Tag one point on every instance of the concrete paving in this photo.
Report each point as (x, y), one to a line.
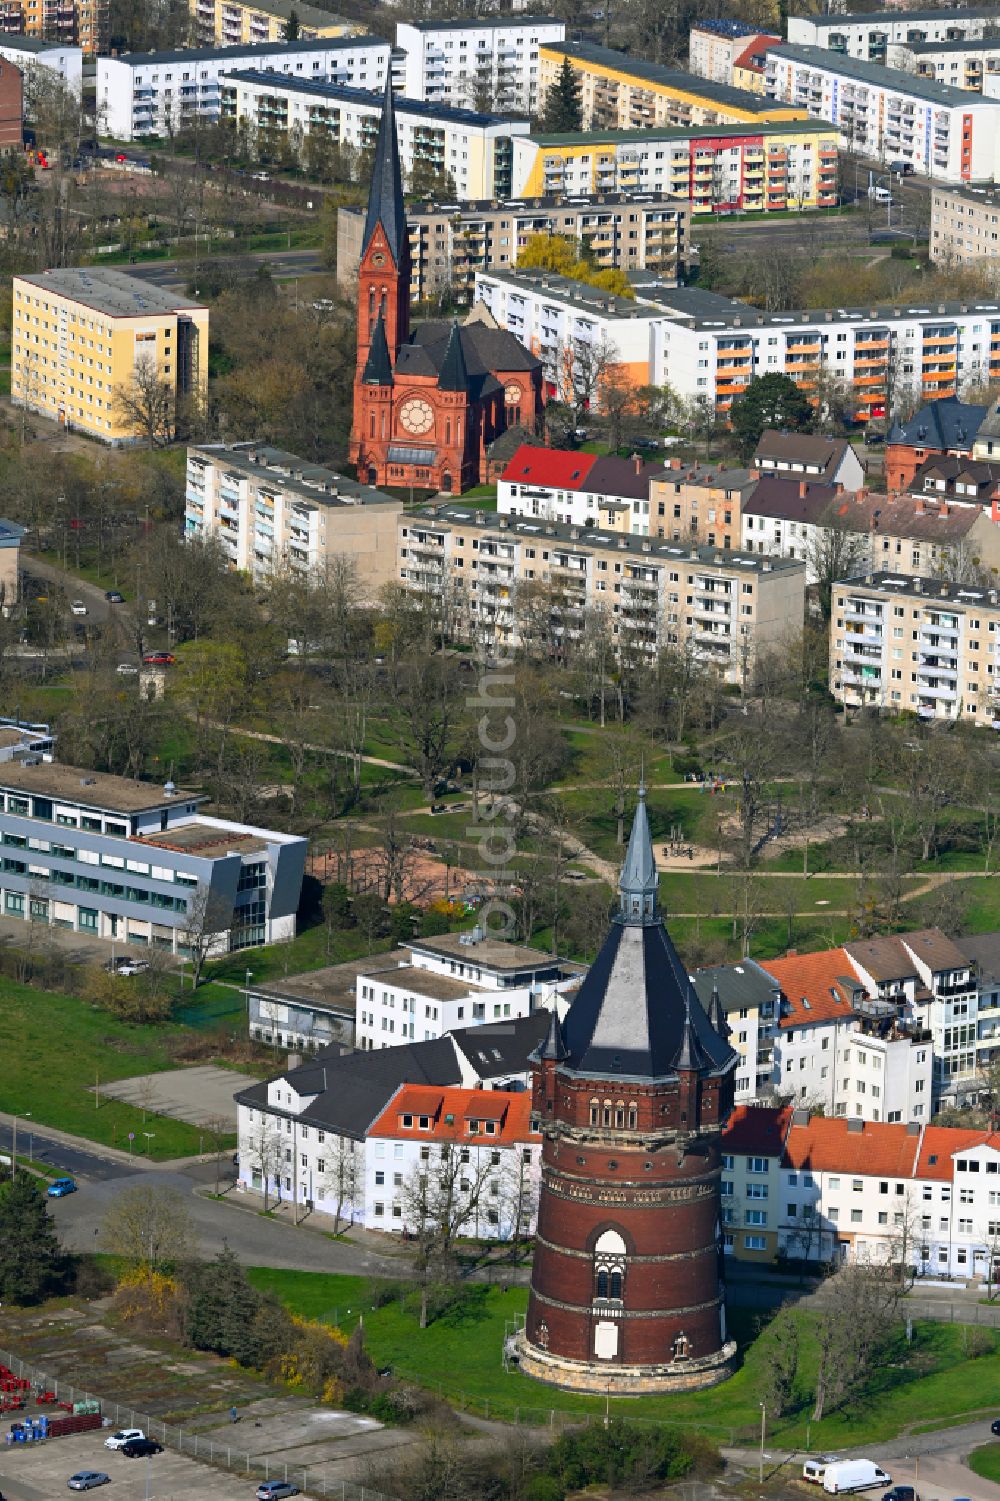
(38, 1472)
(199, 1095)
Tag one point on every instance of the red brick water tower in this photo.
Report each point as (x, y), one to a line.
(631, 1092)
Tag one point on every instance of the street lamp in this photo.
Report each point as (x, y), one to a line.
(25, 1115)
(149, 1136)
(763, 1426)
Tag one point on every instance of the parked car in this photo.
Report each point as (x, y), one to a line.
(122, 1437)
(60, 1187)
(159, 659)
(113, 597)
(126, 669)
(126, 965)
(78, 607)
(901, 1493)
(995, 1427)
(139, 1448)
(275, 1490)
(86, 1480)
(880, 194)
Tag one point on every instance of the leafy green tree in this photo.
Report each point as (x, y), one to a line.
(563, 105)
(33, 1264)
(292, 27)
(772, 401)
(225, 1314)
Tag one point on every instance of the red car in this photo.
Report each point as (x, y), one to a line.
(159, 659)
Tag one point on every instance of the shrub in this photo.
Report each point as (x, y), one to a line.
(544, 1488)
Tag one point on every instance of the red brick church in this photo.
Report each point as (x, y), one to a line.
(428, 401)
(630, 1093)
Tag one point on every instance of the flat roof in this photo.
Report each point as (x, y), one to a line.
(334, 987)
(10, 533)
(504, 23)
(680, 133)
(109, 291)
(904, 17)
(491, 953)
(317, 88)
(251, 49)
(891, 79)
(570, 290)
(932, 591)
(286, 471)
(581, 540)
(18, 42)
(678, 79)
(703, 309)
(207, 841)
(93, 789)
(577, 203)
(429, 982)
(960, 44)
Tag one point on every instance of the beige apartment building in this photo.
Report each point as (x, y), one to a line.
(82, 336)
(699, 502)
(965, 225)
(230, 23)
(10, 552)
(908, 644)
(449, 243)
(270, 510)
(508, 581)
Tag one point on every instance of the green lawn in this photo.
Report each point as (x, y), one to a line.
(55, 1047)
(986, 1462)
(460, 1356)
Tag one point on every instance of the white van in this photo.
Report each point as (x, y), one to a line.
(854, 1475)
(880, 194)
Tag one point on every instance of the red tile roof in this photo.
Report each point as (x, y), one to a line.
(827, 1144)
(512, 1112)
(938, 1145)
(758, 46)
(757, 1129)
(812, 984)
(552, 467)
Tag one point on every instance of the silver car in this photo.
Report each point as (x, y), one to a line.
(87, 1480)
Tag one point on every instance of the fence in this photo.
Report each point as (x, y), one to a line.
(237, 1461)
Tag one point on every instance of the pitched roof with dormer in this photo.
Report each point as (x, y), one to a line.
(814, 987)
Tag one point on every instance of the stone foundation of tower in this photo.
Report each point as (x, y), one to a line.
(625, 1380)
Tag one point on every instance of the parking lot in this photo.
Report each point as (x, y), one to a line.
(39, 1472)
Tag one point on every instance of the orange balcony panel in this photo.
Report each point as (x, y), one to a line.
(812, 348)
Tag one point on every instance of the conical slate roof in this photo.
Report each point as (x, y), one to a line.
(385, 197)
(378, 366)
(636, 1014)
(553, 1047)
(717, 1014)
(454, 371)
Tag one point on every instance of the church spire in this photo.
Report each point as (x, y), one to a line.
(454, 371)
(385, 197)
(717, 1014)
(553, 1047)
(639, 884)
(378, 366)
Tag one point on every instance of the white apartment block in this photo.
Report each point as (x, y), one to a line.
(869, 36)
(909, 644)
(270, 510)
(473, 149)
(455, 981)
(944, 133)
(491, 63)
(963, 64)
(37, 58)
(151, 94)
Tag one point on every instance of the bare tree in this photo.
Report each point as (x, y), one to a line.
(853, 1331)
(207, 920)
(342, 1176)
(148, 1226)
(265, 1152)
(147, 405)
(439, 1198)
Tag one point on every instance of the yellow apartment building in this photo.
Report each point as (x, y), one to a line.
(81, 23)
(232, 23)
(79, 335)
(619, 92)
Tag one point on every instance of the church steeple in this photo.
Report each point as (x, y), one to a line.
(638, 887)
(378, 366)
(385, 197)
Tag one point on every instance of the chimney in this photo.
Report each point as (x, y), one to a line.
(856, 1125)
(803, 488)
(675, 463)
(920, 509)
(913, 1128)
(637, 461)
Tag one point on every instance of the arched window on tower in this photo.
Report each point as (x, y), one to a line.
(681, 1347)
(607, 1112)
(371, 310)
(633, 1116)
(620, 1114)
(382, 303)
(609, 1266)
(595, 1112)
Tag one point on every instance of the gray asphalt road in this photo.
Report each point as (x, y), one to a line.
(284, 264)
(76, 1161)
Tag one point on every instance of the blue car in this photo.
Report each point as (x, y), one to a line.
(61, 1187)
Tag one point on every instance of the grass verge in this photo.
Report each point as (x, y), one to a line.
(985, 1462)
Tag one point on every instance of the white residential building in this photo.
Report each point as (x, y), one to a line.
(489, 63)
(36, 57)
(869, 35)
(150, 94)
(714, 45)
(456, 980)
(473, 149)
(944, 133)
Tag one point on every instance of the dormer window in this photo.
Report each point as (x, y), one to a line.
(425, 1123)
(407, 1121)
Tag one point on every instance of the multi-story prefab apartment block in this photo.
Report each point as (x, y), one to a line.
(124, 860)
(270, 510)
(78, 335)
(151, 94)
(923, 646)
(940, 132)
(485, 63)
(232, 23)
(869, 36)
